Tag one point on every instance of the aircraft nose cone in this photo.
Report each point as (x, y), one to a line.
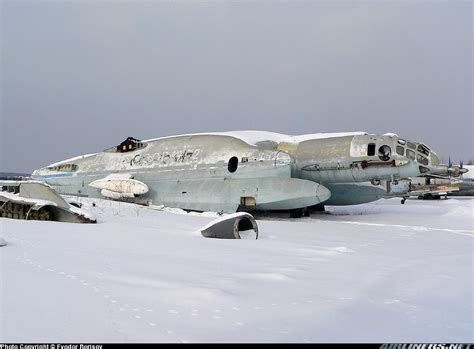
(322, 193)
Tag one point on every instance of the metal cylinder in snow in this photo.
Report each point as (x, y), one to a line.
(230, 226)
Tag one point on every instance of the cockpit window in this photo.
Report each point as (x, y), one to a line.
(410, 154)
(63, 168)
(400, 150)
(411, 145)
(424, 169)
(423, 149)
(371, 149)
(422, 160)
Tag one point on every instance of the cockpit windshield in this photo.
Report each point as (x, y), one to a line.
(415, 151)
(400, 150)
(423, 149)
(422, 160)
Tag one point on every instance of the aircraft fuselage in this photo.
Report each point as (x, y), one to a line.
(225, 172)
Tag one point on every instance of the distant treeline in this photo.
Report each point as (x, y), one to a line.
(13, 175)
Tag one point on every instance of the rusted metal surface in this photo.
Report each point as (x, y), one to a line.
(365, 164)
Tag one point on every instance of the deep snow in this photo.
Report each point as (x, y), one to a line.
(379, 272)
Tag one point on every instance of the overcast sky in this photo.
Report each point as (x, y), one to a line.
(80, 76)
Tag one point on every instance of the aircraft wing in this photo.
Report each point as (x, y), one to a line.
(37, 200)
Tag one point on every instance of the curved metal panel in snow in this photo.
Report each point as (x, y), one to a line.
(230, 226)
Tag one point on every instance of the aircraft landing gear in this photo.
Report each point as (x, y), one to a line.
(403, 201)
(298, 213)
(317, 208)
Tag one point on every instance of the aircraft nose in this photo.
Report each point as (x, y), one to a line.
(322, 193)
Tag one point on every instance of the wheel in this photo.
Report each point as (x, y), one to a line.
(403, 201)
(298, 213)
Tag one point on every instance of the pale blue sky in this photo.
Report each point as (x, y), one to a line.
(80, 76)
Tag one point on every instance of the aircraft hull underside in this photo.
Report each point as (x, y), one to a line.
(212, 194)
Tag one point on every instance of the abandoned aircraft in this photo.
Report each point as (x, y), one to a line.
(423, 188)
(243, 170)
(443, 180)
(466, 185)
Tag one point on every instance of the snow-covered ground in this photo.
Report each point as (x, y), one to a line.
(379, 272)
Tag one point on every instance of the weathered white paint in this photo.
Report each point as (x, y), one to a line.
(115, 195)
(253, 137)
(358, 149)
(122, 186)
